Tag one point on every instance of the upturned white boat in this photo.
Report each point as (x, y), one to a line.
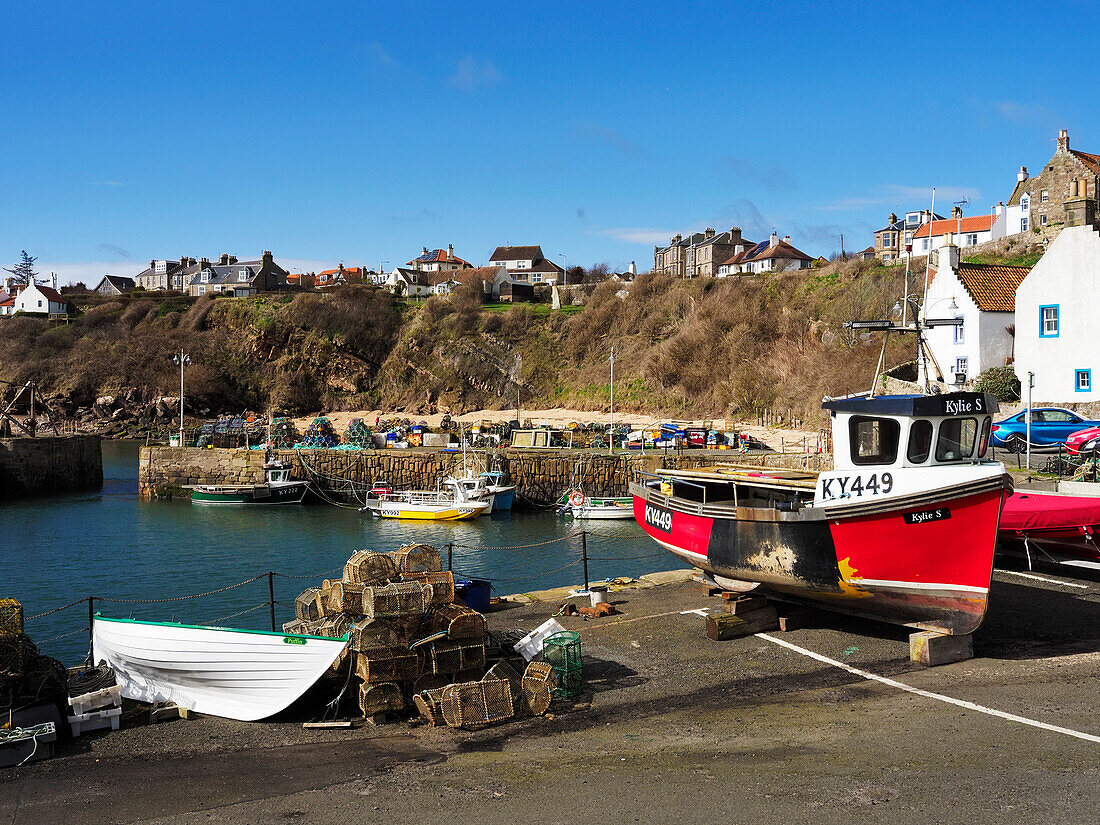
(221, 671)
(450, 503)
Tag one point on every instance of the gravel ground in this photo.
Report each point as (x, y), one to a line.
(672, 726)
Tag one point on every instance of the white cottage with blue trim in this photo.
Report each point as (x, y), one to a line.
(1057, 326)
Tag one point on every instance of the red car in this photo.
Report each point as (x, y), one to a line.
(1086, 440)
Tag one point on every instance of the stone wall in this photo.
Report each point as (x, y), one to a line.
(42, 466)
(540, 475)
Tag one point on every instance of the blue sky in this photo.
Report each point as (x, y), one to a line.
(362, 132)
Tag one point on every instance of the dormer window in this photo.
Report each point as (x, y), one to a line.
(206, 276)
(243, 276)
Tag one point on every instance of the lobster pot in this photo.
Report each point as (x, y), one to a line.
(380, 698)
(502, 670)
(304, 628)
(562, 651)
(368, 633)
(338, 665)
(11, 615)
(537, 686)
(334, 626)
(399, 599)
(343, 597)
(477, 703)
(45, 680)
(459, 623)
(369, 568)
(443, 585)
(454, 657)
(16, 653)
(418, 558)
(307, 606)
(429, 703)
(376, 665)
(432, 681)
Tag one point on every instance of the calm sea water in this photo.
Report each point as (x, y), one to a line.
(108, 544)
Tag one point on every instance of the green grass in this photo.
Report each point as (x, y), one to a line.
(1030, 259)
(537, 309)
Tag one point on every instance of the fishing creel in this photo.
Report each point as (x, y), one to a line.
(307, 607)
(443, 584)
(398, 599)
(454, 657)
(417, 558)
(430, 705)
(459, 623)
(342, 597)
(538, 687)
(384, 697)
(369, 568)
(470, 704)
(386, 664)
(11, 617)
(368, 633)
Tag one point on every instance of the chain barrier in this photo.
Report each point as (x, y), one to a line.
(63, 635)
(56, 610)
(314, 576)
(566, 537)
(235, 615)
(531, 576)
(180, 598)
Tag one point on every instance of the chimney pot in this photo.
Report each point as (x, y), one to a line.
(1063, 140)
(773, 240)
(1021, 176)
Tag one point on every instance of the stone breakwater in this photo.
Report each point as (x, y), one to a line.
(540, 475)
(42, 466)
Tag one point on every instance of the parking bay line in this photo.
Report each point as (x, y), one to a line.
(962, 703)
(1042, 578)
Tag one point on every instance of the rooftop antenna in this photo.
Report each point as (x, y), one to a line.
(958, 223)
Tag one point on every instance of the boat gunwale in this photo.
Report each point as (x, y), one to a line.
(345, 638)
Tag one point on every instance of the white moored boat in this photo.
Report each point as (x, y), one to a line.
(221, 671)
(588, 507)
(450, 503)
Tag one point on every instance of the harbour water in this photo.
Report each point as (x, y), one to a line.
(125, 552)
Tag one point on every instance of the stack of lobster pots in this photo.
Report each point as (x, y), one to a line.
(412, 642)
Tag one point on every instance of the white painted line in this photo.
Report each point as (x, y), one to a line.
(1088, 737)
(1043, 578)
(699, 611)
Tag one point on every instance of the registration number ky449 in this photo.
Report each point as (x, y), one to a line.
(856, 486)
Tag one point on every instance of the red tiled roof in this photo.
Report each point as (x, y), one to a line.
(992, 286)
(437, 256)
(1091, 162)
(975, 223)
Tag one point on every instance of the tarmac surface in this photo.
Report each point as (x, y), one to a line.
(673, 727)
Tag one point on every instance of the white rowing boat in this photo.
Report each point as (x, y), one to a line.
(221, 671)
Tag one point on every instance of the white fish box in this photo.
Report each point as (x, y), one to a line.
(94, 720)
(530, 645)
(29, 744)
(107, 698)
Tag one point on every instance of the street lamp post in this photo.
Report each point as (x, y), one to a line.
(184, 360)
(564, 267)
(611, 435)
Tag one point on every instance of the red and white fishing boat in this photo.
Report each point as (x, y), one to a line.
(1052, 527)
(902, 530)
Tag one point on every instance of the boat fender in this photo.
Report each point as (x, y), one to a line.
(576, 498)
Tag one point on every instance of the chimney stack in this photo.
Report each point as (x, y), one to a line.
(224, 259)
(266, 259)
(708, 234)
(1063, 140)
(1021, 176)
(893, 219)
(956, 212)
(735, 234)
(450, 252)
(773, 241)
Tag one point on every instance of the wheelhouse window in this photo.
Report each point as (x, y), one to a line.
(956, 439)
(873, 440)
(920, 441)
(983, 444)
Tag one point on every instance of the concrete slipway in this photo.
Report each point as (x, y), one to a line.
(675, 728)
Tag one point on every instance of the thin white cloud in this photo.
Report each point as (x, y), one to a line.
(377, 52)
(637, 235)
(472, 74)
(609, 137)
(1017, 112)
(897, 196)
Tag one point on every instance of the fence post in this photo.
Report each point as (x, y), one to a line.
(584, 557)
(450, 556)
(271, 596)
(91, 623)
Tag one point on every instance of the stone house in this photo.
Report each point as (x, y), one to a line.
(707, 255)
(983, 298)
(528, 264)
(1069, 180)
(673, 259)
(1056, 327)
(114, 285)
(896, 238)
(160, 273)
(772, 255)
(240, 279)
(438, 260)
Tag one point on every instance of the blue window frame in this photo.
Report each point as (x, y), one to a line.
(1082, 380)
(1048, 321)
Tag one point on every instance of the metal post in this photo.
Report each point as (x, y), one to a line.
(91, 624)
(611, 435)
(450, 556)
(1030, 384)
(271, 596)
(584, 557)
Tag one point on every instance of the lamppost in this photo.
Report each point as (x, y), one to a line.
(611, 435)
(381, 263)
(184, 360)
(564, 268)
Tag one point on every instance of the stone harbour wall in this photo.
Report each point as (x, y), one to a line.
(43, 466)
(541, 476)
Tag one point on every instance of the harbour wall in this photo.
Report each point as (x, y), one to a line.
(540, 475)
(42, 466)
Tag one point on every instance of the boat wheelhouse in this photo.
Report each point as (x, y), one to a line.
(902, 529)
(278, 488)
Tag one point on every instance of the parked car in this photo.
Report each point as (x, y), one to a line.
(1049, 426)
(1083, 441)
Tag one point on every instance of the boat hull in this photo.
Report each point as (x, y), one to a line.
(928, 566)
(237, 674)
(603, 512)
(427, 512)
(1058, 527)
(292, 493)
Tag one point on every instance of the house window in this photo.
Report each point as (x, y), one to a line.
(206, 276)
(1082, 380)
(962, 365)
(243, 276)
(1023, 224)
(1042, 220)
(537, 278)
(887, 239)
(1025, 203)
(1043, 196)
(908, 238)
(924, 245)
(971, 239)
(1048, 327)
(202, 290)
(959, 329)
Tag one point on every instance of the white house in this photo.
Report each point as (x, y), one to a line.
(41, 300)
(526, 263)
(969, 232)
(983, 297)
(1057, 328)
(409, 283)
(772, 255)
(439, 260)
